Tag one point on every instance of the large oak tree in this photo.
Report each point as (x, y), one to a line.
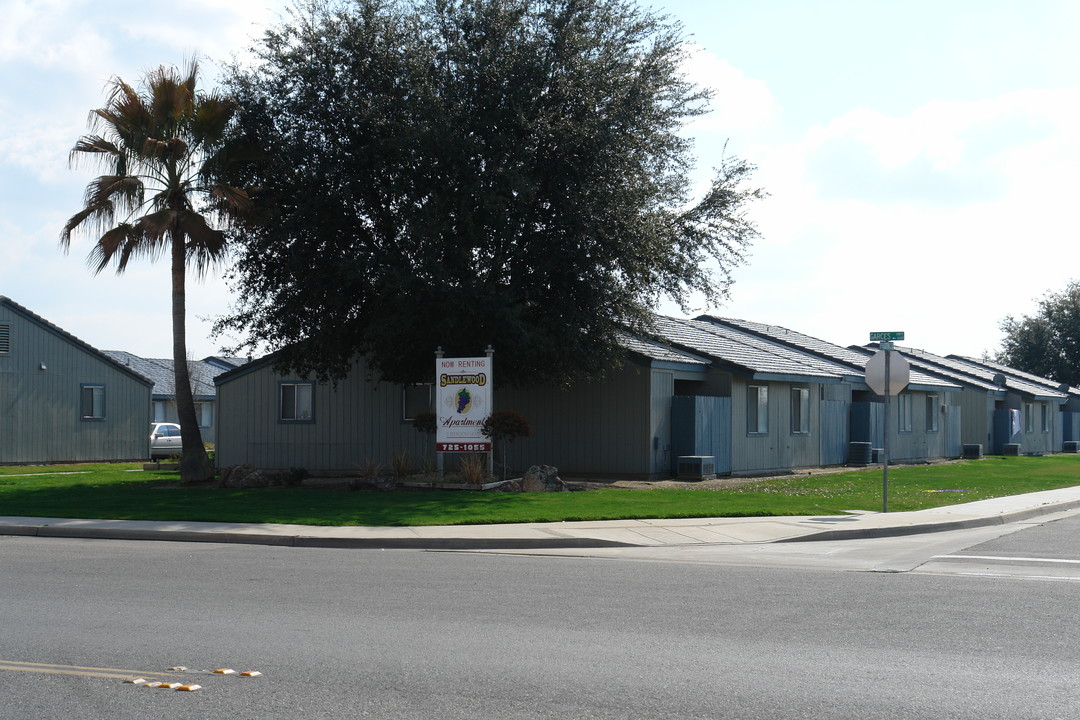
(466, 172)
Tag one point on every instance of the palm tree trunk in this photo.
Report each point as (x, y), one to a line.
(195, 466)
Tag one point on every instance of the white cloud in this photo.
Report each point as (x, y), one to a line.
(956, 210)
(739, 102)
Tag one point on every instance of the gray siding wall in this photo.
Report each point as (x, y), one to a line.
(1033, 438)
(977, 411)
(355, 421)
(594, 429)
(588, 429)
(779, 448)
(915, 445)
(919, 443)
(40, 409)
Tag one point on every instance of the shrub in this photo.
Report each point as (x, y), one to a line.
(290, 478)
(473, 468)
(424, 422)
(371, 469)
(400, 464)
(506, 425)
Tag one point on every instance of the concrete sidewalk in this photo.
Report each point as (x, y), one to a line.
(601, 533)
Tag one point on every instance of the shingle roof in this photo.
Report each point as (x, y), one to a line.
(983, 375)
(853, 358)
(160, 371)
(1006, 370)
(662, 353)
(757, 356)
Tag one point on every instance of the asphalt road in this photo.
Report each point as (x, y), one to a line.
(402, 634)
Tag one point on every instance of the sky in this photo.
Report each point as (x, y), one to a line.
(920, 157)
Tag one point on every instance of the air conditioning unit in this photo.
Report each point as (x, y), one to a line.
(696, 467)
(1071, 446)
(973, 451)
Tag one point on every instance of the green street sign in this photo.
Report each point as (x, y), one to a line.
(886, 336)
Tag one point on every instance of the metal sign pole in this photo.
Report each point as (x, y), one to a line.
(879, 377)
(439, 467)
(490, 351)
(885, 460)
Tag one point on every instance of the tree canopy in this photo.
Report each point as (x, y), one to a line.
(460, 173)
(1046, 343)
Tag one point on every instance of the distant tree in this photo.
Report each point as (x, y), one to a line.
(156, 144)
(1046, 343)
(466, 172)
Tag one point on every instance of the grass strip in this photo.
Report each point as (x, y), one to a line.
(114, 491)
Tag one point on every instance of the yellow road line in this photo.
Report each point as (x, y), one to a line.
(21, 666)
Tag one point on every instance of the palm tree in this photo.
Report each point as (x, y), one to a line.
(158, 146)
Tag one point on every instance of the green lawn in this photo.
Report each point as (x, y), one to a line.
(115, 491)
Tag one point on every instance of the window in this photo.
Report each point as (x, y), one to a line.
(1045, 411)
(296, 399)
(800, 411)
(204, 412)
(415, 399)
(5, 338)
(757, 410)
(92, 402)
(931, 413)
(161, 411)
(904, 406)
(1029, 417)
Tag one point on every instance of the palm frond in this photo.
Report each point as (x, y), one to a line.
(147, 237)
(107, 188)
(73, 223)
(212, 117)
(109, 246)
(205, 245)
(231, 199)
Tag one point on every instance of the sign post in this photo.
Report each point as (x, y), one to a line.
(887, 373)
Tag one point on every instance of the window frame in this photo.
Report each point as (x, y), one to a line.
(800, 411)
(297, 418)
(405, 418)
(757, 410)
(95, 414)
(204, 413)
(1029, 416)
(933, 403)
(904, 408)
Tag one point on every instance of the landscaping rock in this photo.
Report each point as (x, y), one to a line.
(378, 484)
(243, 476)
(542, 478)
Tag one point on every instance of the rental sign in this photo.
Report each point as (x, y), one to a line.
(462, 403)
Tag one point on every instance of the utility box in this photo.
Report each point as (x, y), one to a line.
(696, 467)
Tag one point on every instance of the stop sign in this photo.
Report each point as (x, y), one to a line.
(899, 372)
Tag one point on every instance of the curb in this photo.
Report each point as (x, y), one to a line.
(309, 541)
(933, 527)
(477, 543)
